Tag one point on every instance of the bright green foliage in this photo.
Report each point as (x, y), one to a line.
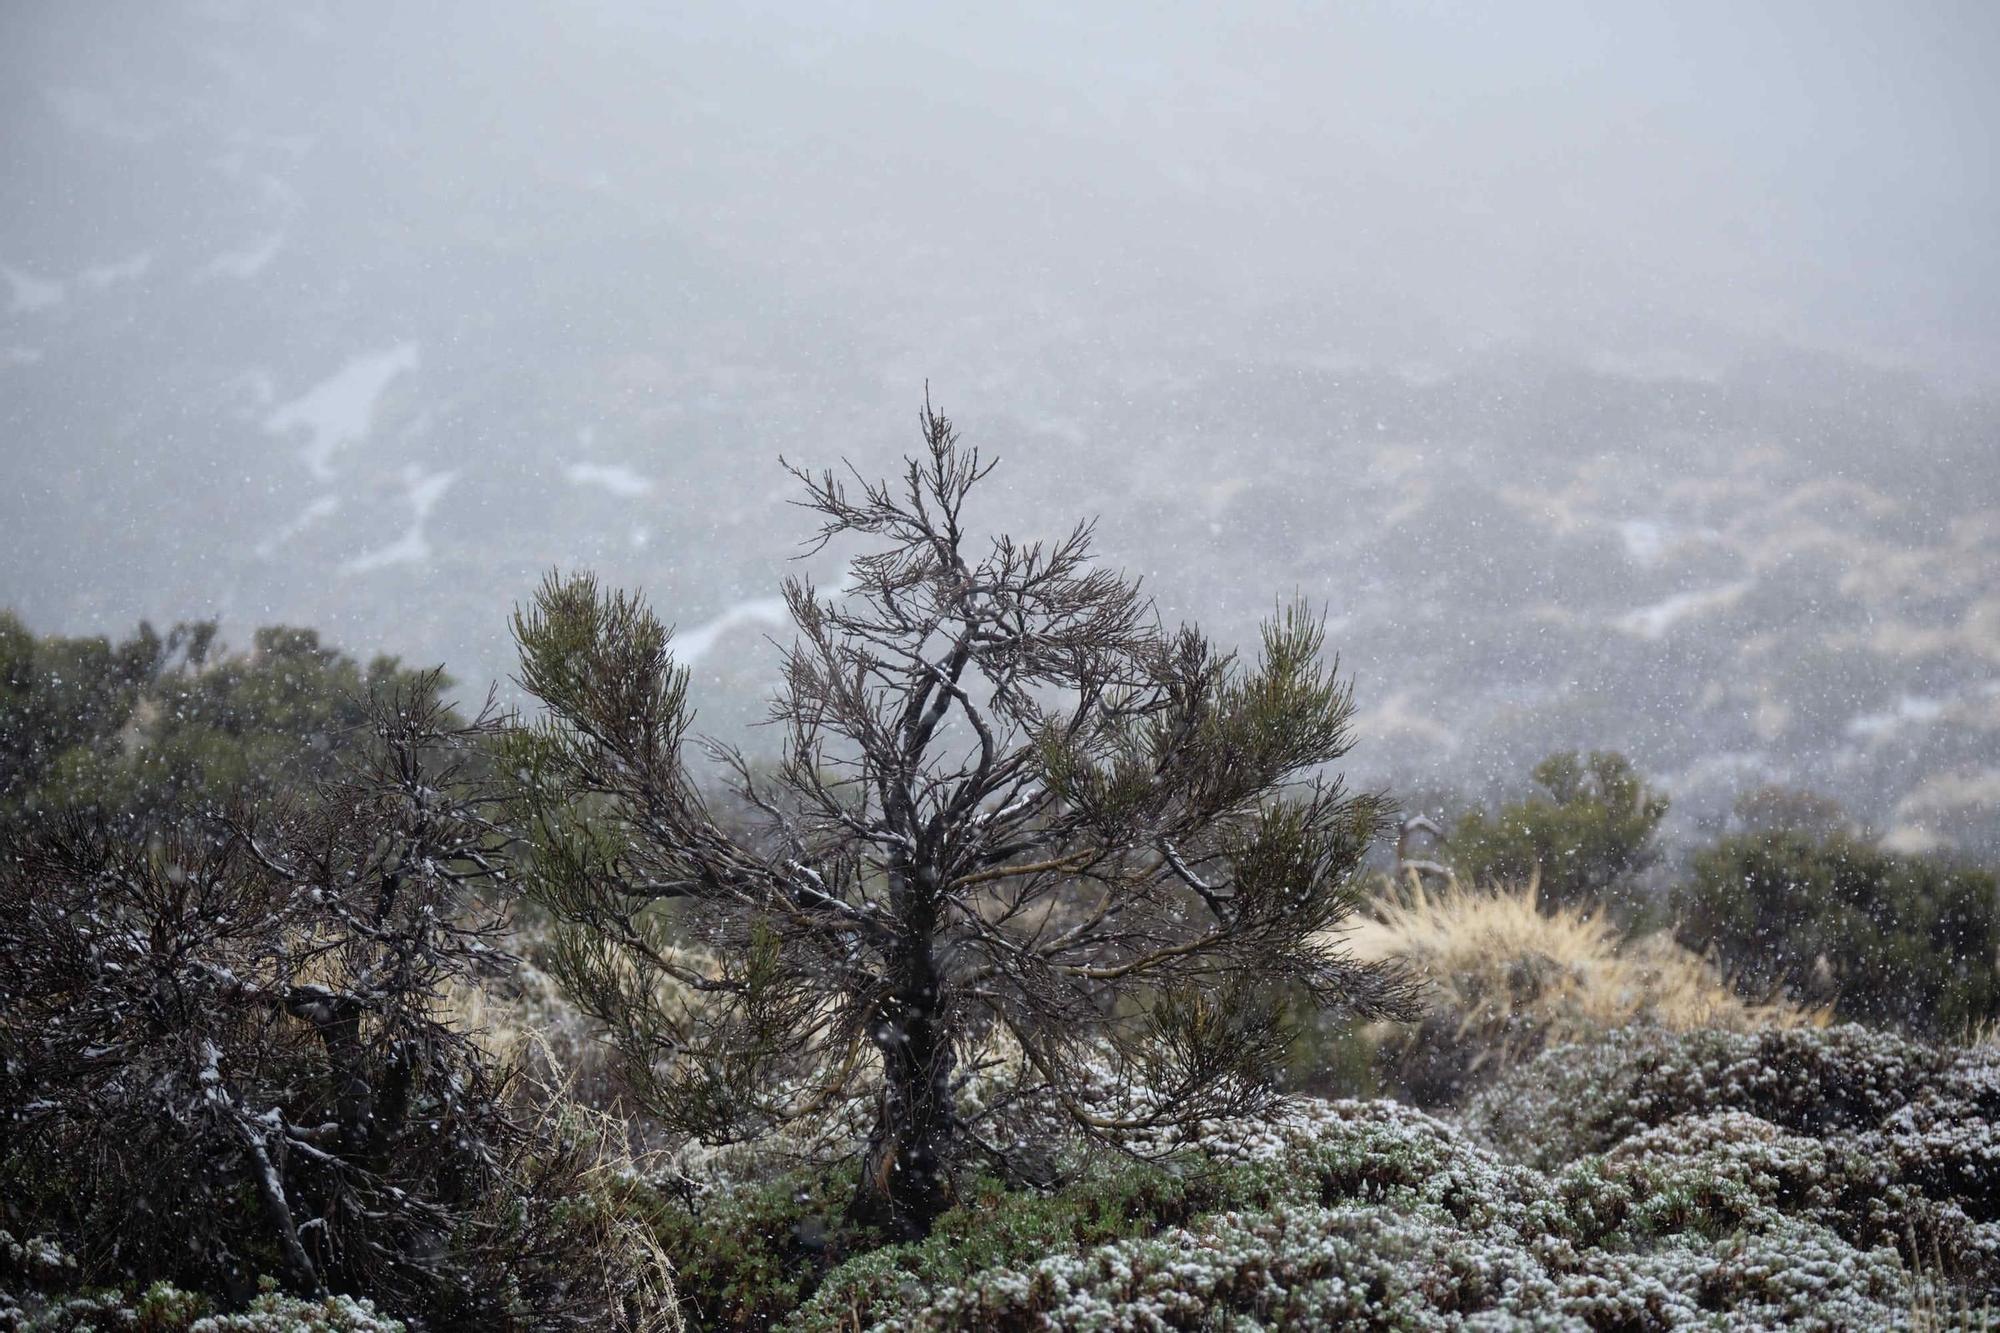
(155, 728)
(1588, 833)
(1907, 941)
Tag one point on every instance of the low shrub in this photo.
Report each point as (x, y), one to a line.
(996, 1227)
(1584, 1098)
(744, 1257)
(37, 1296)
(223, 1056)
(1645, 1180)
(1586, 835)
(1908, 941)
(1376, 1216)
(1884, 1140)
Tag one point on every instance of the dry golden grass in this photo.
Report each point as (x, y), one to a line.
(529, 1028)
(623, 1261)
(1507, 978)
(525, 1021)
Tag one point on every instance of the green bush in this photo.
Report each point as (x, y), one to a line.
(1905, 941)
(151, 730)
(1587, 834)
(996, 1228)
(1775, 808)
(37, 1296)
(1583, 1098)
(1883, 1140)
(1374, 1216)
(783, 1253)
(747, 1257)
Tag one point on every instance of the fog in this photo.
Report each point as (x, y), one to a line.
(1613, 375)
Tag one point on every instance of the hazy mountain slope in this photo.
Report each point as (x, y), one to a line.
(364, 318)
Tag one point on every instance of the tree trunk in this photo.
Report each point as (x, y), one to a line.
(271, 1187)
(906, 1175)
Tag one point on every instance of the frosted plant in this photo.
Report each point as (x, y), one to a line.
(1009, 803)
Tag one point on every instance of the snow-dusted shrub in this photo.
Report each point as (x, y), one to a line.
(1296, 1266)
(1882, 1140)
(164, 1308)
(30, 1270)
(1585, 1097)
(1719, 1193)
(1890, 939)
(274, 1313)
(34, 1263)
(1378, 1217)
(1944, 1136)
(160, 1308)
(1510, 974)
(994, 1227)
(746, 1252)
(223, 1056)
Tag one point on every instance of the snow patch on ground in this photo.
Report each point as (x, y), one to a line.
(1909, 710)
(129, 269)
(1950, 792)
(1402, 719)
(422, 492)
(1651, 622)
(324, 507)
(1645, 539)
(425, 492)
(692, 645)
(30, 293)
(340, 410)
(614, 477)
(412, 548)
(247, 262)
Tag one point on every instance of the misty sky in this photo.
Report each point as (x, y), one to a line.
(1583, 174)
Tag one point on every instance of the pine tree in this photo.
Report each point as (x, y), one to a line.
(1010, 807)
